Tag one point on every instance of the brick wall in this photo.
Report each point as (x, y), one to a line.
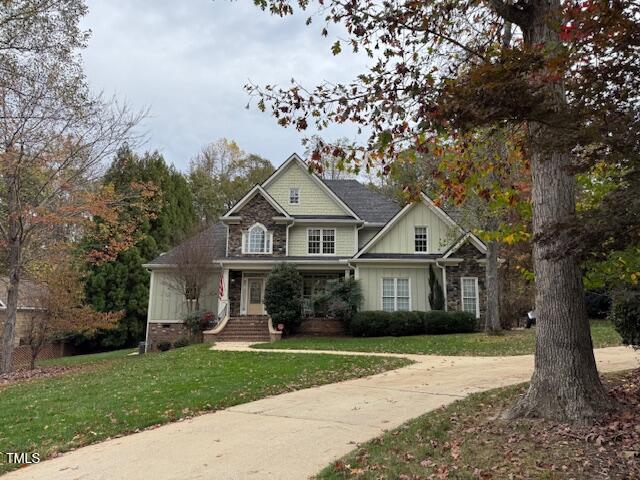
(258, 210)
(321, 326)
(470, 267)
(165, 332)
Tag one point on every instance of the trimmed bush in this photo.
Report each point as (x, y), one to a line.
(398, 324)
(164, 346)
(341, 299)
(438, 322)
(283, 296)
(625, 314)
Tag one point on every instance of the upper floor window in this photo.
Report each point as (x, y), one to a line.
(470, 298)
(257, 240)
(421, 240)
(294, 196)
(396, 294)
(321, 241)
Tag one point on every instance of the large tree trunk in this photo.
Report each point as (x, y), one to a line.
(14, 260)
(492, 323)
(565, 385)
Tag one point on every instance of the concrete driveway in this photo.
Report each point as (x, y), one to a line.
(294, 435)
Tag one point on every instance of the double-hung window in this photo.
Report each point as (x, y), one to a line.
(294, 196)
(396, 294)
(470, 299)
(321, 241)
(257, 240)
(421, 239)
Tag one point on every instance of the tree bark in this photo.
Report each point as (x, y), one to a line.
(492, 324)
(565, 385)
(14, 247)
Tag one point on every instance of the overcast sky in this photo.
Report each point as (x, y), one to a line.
(187, 61)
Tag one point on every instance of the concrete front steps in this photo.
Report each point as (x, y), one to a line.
(246, 328)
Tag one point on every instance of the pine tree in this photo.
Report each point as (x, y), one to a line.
(123, 284)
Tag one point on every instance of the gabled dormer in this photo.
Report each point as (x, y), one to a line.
(302, 193)
(257, 226)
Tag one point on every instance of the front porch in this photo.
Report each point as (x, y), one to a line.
(243, 315)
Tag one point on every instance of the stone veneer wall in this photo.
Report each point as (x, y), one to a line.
(468, 268)
(165, 332)
(258, 210)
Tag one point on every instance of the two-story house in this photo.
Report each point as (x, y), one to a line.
(328, 229)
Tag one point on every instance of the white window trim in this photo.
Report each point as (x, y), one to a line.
(299, 197)
(426, 227)
(322, 230)
(395, 293)
(245, 240)
(475, 280)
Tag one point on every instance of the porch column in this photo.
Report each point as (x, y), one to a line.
(347, 274)
(223, 302)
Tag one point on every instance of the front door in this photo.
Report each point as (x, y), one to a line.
(255, 287)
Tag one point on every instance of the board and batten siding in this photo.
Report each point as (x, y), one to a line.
(400, 238)
(168, 305)
(345, 240)
(314, 200)
(371, 282)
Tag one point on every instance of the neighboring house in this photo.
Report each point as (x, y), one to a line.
(328, 229)
(28, 309)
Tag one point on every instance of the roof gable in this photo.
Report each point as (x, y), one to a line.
(257, 190)
(440, 228)
(316, 198)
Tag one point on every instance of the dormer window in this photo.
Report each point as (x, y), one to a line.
(257, 240)
(294, 196)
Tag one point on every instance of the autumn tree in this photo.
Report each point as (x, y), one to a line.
(62, 311)
(220, 174)
(332, 167)
(568, 78)
(54, 135)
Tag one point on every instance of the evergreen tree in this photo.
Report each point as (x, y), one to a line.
(123, 284)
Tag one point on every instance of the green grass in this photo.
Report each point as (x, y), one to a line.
(515, 342)
(122, 395)
(85, 359)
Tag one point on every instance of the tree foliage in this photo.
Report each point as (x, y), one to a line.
(220, 175)
(283, 296)
(122, 284)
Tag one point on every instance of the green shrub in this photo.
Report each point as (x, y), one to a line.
(436, 295)
(164, 346)
(341, 299)
(181, 342)
(404, 323)
(283, 296)
(370, 324)
(438, 322)
(625, 315)
(198, 321)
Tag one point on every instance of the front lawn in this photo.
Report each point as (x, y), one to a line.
(514, 342)
(466, 440)
(85, 359)
(122, 395)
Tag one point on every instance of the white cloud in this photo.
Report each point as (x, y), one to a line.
(188, 61)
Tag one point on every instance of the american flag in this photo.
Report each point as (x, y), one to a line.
(221, 287)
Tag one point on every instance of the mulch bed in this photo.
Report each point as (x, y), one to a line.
(35, 374)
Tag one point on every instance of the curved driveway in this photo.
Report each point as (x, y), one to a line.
(294, 435)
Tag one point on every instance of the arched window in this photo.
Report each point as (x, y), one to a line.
(257, 240)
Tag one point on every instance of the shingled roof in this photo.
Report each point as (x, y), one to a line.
(368, 204)
(214, 237)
